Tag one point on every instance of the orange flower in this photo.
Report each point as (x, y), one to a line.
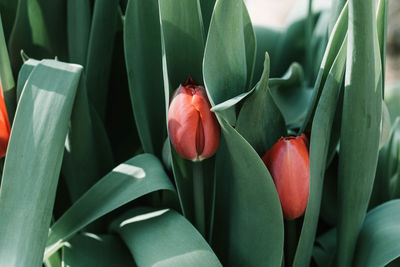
(192, 127)
(4, 126)
(288, 162)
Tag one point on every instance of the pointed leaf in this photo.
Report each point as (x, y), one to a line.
(142, 44)
(136, 177)
(39, 129)
(230, 51)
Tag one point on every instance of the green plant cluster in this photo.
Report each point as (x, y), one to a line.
(90, 177)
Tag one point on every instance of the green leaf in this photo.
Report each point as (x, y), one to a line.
(88, 155)
(99, 55)
(8, 10)
(319, 145)
(316, 50)
(359, 140)
(142, 44)
(324, 251)
(88, 249)
(40, 30)
(267, 39)
(39, 129)
(182, 41)
(207, 7)
(230, 51)
(387, 180)
(378, 242)
(24, 73)
(260, 122)
(6, 77)
(381, 24)
(291, 44)
(290, 95)
(136, 177)
(332, 49)
(78, 30)
(183, 49)
(247, 207)
(163, 238)
(336, 9)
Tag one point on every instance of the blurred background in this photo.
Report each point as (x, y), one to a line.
(274, 14)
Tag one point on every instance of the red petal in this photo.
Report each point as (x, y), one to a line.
(288, 163)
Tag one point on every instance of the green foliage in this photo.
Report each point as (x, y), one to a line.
(40, 128)
(91, 179)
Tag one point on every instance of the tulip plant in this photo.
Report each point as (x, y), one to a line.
(177, 133)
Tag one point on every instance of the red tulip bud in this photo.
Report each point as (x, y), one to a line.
(288, 163)
(4, 126)
(192, 127)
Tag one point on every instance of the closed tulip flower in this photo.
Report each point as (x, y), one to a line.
(4, 126)
(288, 163)
(192, 127)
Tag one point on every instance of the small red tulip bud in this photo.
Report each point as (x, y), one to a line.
(4, 126)
(288, 162)
(192, 127)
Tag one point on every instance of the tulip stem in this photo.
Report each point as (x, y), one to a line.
(198, 195)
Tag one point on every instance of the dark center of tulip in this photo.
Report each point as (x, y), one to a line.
(199, 136)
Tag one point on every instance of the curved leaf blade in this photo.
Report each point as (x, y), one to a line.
(229, 55)
(182, 40)
(319, 147)
(136, 177)
(142, 44)
(378, 242)
(39, 129)
(362, 107)
(163, 238)
(247, 206)
(88, 249)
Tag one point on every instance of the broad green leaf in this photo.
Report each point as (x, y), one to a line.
(136, 177)
(319, 144)
(359, 140)
(260, 122)
(248, 228)
(332, 49)
(291, 97)
(142, 44)
(39, 129)
(182, 41)
(378, 242)
(88, 249)
(163, 238)
(40, 30)
(6, 77)
(99, 55)
(78, 30)
(230, 52)
(88, 155)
